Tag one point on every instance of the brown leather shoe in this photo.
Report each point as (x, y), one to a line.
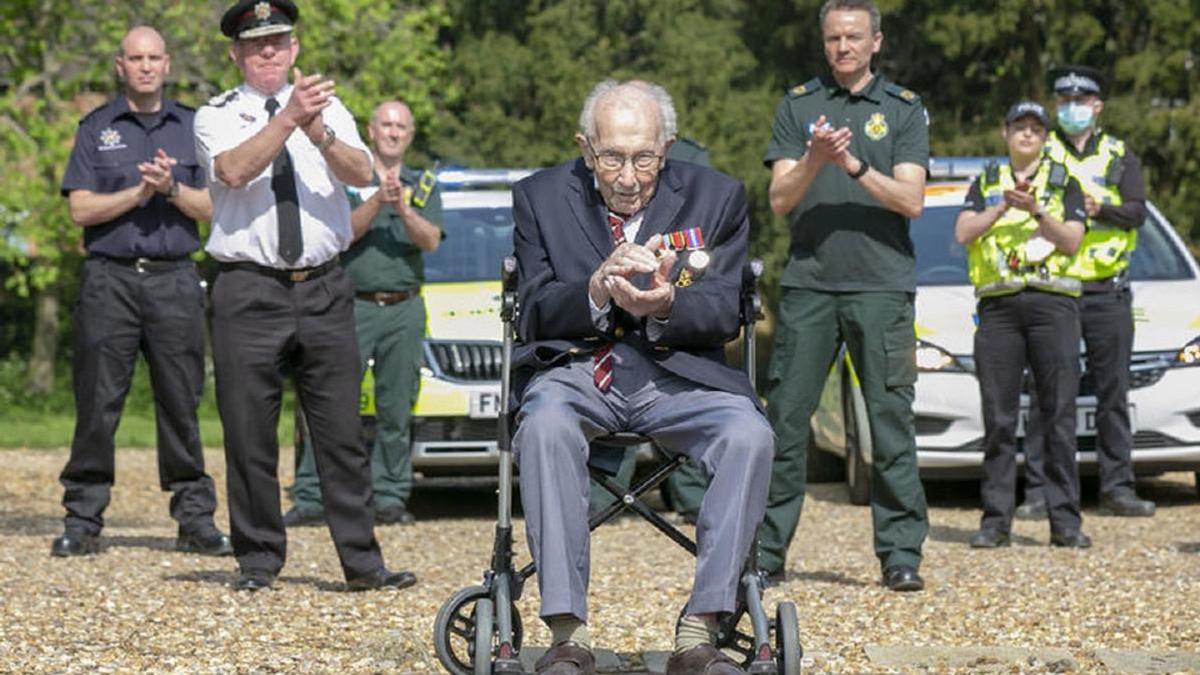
(566, 658)
(702, 660)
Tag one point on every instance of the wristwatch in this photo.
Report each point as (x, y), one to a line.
(1039, 212)
(173, 191)
(330, 137)
(863, 167)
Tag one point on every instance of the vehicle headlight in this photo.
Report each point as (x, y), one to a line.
(932, 358)
(1190, 354)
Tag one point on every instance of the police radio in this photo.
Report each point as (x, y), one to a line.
(425, 187)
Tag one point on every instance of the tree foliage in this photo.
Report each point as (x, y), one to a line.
(499, 82)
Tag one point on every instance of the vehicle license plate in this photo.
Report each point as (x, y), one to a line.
(1085, 420)
(485, 404)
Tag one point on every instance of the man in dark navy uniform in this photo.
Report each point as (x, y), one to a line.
(134, 186)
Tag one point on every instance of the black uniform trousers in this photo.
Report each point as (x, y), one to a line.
(1042, 330)
(125, 307)
(1106, 318)
(263, 327)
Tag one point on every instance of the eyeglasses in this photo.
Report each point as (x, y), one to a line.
(615, 161)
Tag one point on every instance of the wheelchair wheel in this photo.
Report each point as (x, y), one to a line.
(788, 651)
(483, 636)
(459, 631)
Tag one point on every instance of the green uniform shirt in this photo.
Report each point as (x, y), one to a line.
(384, 258)
(842, 238)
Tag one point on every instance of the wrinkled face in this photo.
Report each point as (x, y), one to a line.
(391, 130)
(628, 134)
(143, 63)
(849, 41)
(1025, 137)
(265, 61)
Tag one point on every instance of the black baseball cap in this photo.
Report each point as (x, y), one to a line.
(1027, 109)
(1077, 80)
(255, 18)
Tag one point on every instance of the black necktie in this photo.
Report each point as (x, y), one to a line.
(287, 204)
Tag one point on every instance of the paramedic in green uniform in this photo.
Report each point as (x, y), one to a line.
(848, 157)
(395, 220)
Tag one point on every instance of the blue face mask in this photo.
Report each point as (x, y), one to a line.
(1075, 118)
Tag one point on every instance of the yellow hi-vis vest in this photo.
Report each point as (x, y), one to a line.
(997, 261)
(1105, 249)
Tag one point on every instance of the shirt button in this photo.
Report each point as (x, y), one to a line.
(619, 332)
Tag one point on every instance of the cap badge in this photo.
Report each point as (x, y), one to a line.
(876, 127)
(262, 11)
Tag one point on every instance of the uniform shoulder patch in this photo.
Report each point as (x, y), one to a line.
(806, 88)
(902, 93)
(223, 99)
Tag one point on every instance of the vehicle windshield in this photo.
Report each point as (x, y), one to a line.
(943, 262)
(477, 239)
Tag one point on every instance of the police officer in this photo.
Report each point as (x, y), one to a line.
(278, 157)
(1021, 223)
(848, 154)
(395, 220)
(1115, 200)
(132, 183)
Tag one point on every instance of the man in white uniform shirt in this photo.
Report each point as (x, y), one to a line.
(278, 157)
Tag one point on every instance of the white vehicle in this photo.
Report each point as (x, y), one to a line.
(1164, 394)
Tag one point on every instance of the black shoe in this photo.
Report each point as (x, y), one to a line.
(396, 514)
(212, 542)
(1072, 539)
(381, 578)
(1126, 505)
(689, 517)
(73, 543)
(253, 581)
(303, 516)
(989, 538)
(566, 658)
(1032, 511)
(903, 578)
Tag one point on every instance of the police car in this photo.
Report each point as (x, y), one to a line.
(1164, 371)
(455, 415)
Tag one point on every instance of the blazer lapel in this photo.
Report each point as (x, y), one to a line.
(590, 212)
(664, 206)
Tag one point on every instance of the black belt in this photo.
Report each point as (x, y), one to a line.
(293, 275)
(382, 298)
(147, 265)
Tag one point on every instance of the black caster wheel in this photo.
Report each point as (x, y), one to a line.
(465, 627)
(788, 651)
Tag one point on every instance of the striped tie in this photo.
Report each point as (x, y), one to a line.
(602, 357)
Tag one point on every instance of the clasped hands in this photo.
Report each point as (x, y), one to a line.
(311, 94)
(156, 174)
(612, 280)
(832, 146)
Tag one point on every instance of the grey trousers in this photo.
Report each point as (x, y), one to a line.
(562, 410)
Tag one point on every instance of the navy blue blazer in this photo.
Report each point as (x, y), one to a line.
(562, 236)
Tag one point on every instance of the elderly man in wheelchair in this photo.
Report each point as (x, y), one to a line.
(630, 271)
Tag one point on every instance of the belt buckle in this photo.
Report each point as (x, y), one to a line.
(140, 265)
(296, 276)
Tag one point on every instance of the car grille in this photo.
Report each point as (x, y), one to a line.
(464, 360)
(435, 429)
(1194, 418)
(931, 426)
(1142, 440)
(1145, 370)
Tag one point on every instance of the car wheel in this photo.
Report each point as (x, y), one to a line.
(858, 443)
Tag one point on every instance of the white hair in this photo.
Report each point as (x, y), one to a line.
(626, 92)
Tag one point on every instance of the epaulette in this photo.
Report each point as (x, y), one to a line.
(806, 88)
(93, 112)
(1117, 145)
(902, 93)
(223, 99)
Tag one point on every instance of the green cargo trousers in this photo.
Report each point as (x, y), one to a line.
(391, 335)
(877, 329)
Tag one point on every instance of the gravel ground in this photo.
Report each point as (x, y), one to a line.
(142, 607)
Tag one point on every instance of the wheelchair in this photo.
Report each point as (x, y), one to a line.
(478, 630)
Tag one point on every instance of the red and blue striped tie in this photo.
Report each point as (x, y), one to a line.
(602, 359)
